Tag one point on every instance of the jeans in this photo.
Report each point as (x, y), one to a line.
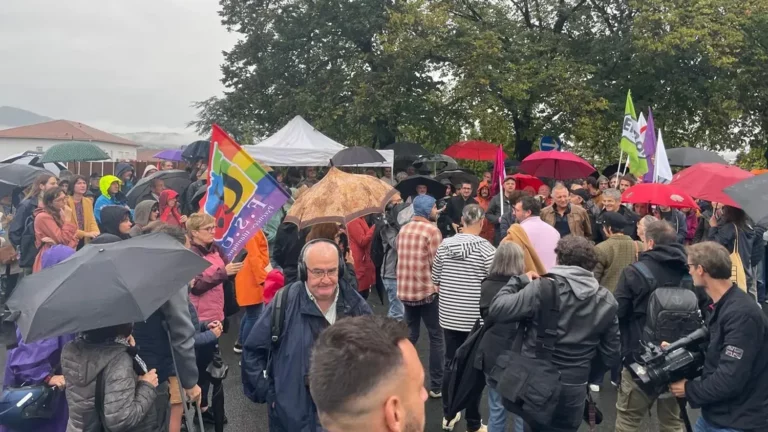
(705, 426)
(497, 414)
(429, 314)
(395, 305)
(453, 340)
(252, 314)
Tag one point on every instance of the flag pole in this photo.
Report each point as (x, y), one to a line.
(618, 169)
(501, 195)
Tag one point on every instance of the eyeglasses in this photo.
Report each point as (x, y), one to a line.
(209, 229)
(321, 273)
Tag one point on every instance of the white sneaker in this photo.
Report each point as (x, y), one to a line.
(449, 425)
(435, 394)
(615, 384)
(594, 388)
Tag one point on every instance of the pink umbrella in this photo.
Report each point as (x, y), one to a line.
(560, 165)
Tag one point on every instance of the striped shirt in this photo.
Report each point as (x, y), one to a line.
(417, 245)
(461, 264)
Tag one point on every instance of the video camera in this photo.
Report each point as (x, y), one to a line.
(658, 367)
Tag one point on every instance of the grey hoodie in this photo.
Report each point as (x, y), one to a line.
(128, 402)
(587, 327)
(141, 218)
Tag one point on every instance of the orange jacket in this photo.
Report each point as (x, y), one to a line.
(488, 231)
(249, 282)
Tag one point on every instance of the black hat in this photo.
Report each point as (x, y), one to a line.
(613, 220)
(583, 193)
(95, 174)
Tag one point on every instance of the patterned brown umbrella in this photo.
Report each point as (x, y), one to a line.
(340, 197)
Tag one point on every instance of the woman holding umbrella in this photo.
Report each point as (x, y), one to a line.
(729, 228)
(82, 211)
(53, 225)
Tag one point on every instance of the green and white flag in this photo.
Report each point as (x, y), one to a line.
(631, 144)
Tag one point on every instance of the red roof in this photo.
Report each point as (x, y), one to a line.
(64, 130)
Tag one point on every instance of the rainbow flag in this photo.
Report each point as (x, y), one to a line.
(241, 195)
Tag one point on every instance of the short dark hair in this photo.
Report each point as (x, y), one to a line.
(531, 204)
(173, 231)
(630, 178)
(713, 257)
(466, 183)
(352, 357)
(73, 181)
(576, 251)
(591, 181)
(661, 232)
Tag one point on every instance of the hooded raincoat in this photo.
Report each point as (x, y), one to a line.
(489, 230)
(111, 218)
(105, 199)
(141, 215)
(170, 214)
(360, 238)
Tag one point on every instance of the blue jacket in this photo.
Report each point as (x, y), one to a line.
(293, 409)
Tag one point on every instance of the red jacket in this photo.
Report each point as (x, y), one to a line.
(360, 237)
(274, 282)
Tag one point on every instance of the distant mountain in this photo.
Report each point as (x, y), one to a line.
(160, 140)
(14, 117)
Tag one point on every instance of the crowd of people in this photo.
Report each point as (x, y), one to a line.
(314, 354)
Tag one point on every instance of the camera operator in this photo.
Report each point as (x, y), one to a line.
(665, 260)
(733, 390)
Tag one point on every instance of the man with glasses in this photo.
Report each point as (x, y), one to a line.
(274, 372)
(456, 205)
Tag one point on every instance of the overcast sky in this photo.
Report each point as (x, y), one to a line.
(123, 65)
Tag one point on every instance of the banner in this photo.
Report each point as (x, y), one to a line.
(630, 140)
(649, 145)
(663, 172)
(241, 195)
(499, 173)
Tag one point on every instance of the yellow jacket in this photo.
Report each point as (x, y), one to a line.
(89, 218)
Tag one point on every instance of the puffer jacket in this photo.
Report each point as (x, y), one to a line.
(128, 402)
(587, 326)
(207, 293)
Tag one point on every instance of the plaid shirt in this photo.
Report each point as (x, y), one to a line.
(417, 245)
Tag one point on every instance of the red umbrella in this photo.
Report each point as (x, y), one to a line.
(560, 165)
(525, 180)
(473, 150)
(706, 181)
(658, 194)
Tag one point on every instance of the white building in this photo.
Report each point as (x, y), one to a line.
(40, 137)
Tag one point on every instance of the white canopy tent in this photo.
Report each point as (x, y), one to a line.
(300, 144)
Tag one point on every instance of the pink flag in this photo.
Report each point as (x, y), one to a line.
(498, 172)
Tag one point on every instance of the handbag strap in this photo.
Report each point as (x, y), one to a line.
(549, 312)
(736, 241)
(99, 402)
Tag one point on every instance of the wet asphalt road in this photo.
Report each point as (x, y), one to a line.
(245, 416)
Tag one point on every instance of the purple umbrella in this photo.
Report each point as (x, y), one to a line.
(169, 155)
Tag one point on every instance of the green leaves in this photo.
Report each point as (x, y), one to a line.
(370, 72)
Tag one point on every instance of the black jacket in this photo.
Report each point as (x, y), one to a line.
(668, 264)
(630, 230)
(733, 389)
(288, 244)
(500, 336)
(456, 206)
(23, 212)
(676, 218)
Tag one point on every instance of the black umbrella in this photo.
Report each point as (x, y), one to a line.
(33, 158)
(103, 285)
(357, 156)
(611, 170)
(459, 176)
(405, 150)
(687, 156)
(751, 194)
(407, 187)
(20, 175)
(196, 151)
(178, 180)
(436, 162)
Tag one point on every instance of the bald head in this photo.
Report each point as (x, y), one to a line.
(322, 262)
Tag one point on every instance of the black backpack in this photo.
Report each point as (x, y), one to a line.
(673, 311)
(27, 249)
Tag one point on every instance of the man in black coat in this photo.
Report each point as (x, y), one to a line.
(456, 205)
(733, 388)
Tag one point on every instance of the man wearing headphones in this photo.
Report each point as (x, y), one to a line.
(317, 300)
